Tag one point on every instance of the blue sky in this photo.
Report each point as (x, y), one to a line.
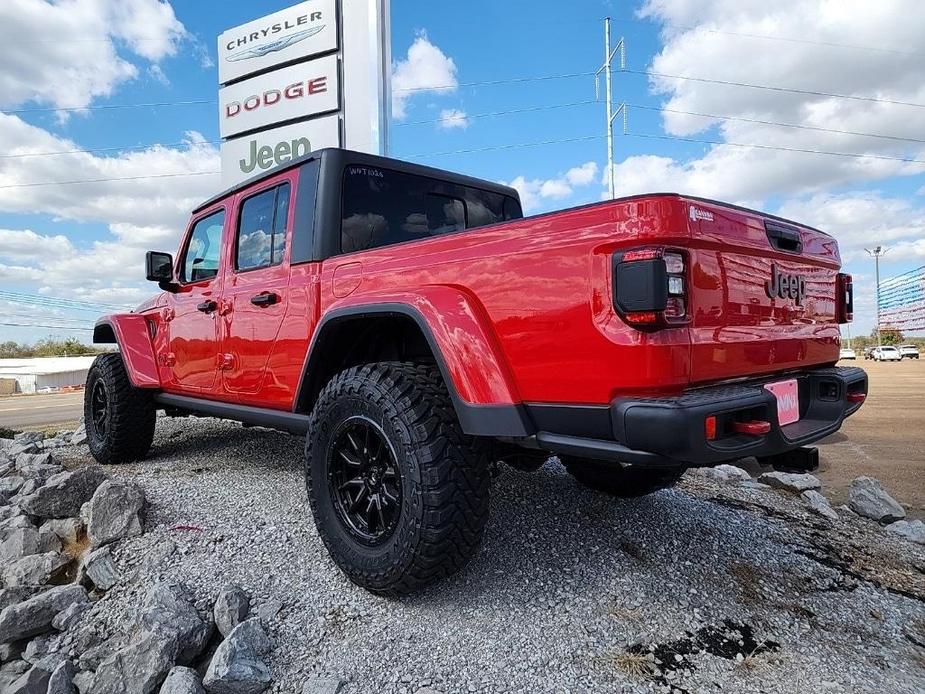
(86, 241)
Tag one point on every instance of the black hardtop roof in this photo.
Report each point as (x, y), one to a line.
(346, 156)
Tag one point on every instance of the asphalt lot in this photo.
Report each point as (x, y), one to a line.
(41, 411)
(885, 439)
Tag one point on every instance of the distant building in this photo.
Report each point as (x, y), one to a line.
(40, 373)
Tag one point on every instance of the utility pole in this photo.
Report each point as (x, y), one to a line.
(877, 253)
(607, 69)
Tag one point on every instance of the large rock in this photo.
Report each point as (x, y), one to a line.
(29, 437)
(66, 618)
(35, 570)
(68, 530)
(41, 646)
(79, 436)
(819, 504)
(168, 610)
(867, 498)
(19, 543)
(9, 486)
(63, 494)
(62, 679)
(25, 460)
(35, 680)
(790, 482)
(33, 616)
(914, 531)
(116, 511)
(237, 666)
(138, 667)
(92, 656)
(39, 473)
(231, 608)
(12, 596)
(10, 672)
(99, 568)
(182, 680)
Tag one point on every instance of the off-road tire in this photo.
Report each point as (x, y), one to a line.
(627, 482)
(444, 477)
(130, 417)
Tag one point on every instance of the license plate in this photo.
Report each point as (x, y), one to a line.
(788, 400)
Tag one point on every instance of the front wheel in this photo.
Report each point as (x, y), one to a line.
(398, 493)
(627, 481)
(119, 418)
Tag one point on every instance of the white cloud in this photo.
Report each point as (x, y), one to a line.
(453, 118)
(65, 53)
(143, 212)
(699, 42)
(29, 246)
(426, 68)
(864, 219)
(534, 192)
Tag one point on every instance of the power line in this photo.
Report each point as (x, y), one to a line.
(491, 114)
(491, 83)
(59, 302)
(110, 107)
(801, 150)
(50, 327)
(498, 148)
(108, 180)
(127, 148)
(798, 126)
(788, 90)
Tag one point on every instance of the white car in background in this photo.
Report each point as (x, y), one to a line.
(885, 354)
(847, 354)
(909, 352)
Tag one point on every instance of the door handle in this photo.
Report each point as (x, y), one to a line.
(265, 299)
(207, 306)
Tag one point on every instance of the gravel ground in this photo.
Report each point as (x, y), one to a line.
(730, 588)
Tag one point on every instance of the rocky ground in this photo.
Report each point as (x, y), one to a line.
(723, 584)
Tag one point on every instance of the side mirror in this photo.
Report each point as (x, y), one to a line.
(159, 268)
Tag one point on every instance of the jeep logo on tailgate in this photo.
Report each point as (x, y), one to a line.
(784, 286)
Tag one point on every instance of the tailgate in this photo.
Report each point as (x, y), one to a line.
(740, 259)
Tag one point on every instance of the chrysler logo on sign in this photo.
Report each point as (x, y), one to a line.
(296, 33)
(273, 46)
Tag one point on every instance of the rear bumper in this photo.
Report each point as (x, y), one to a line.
(671, 431)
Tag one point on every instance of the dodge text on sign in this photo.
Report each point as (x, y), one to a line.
(294, 92)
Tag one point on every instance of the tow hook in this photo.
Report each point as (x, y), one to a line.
(798, 460)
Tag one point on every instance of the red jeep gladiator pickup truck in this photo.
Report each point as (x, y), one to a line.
(416, 329)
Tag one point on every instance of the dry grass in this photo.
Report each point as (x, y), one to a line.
(746, 577)
(637, 665)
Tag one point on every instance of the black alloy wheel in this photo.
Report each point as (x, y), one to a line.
(365, 481)
(99, 409)
(120, 418)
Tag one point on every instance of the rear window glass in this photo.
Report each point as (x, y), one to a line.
(383, 207)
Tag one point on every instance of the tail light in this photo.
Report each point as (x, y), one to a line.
(650, 287)
(844, 301)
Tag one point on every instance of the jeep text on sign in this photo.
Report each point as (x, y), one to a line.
(298, 91)
(301, 31)
(251, 155)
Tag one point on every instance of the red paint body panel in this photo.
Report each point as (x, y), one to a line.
(523, 311)
(134, 341)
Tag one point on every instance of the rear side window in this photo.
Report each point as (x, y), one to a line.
(262, 229)
(384, 207)
(204, 250)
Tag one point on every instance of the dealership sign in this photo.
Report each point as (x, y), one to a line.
(314, 75)
(296, 33)
(297, 91)
(253, 154)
